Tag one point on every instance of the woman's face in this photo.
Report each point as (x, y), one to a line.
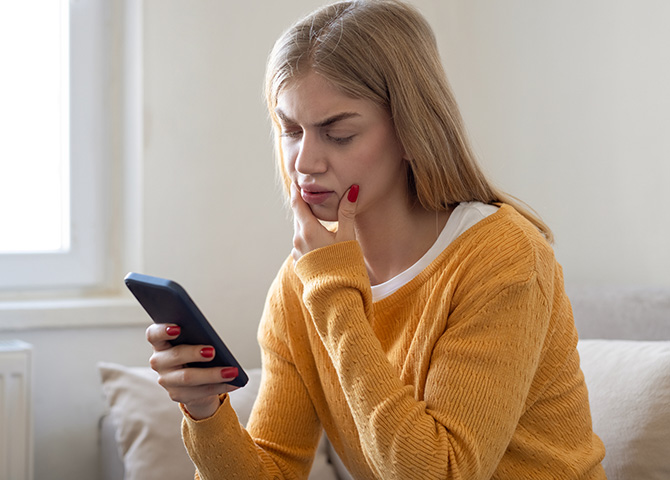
(332, 141)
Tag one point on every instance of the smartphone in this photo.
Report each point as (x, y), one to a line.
(167, 302)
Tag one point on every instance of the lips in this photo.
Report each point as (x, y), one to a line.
(314, 194)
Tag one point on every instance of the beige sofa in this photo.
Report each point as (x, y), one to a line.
(625, 351)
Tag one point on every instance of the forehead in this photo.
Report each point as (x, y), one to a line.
(312, 97)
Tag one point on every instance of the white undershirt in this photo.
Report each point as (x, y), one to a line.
(464, 216)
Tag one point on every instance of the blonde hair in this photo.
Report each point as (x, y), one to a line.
(385, 51)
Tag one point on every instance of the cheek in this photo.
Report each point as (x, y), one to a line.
(381, 156)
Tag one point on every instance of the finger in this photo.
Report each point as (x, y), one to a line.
(191, 384)
(197, 377)
(176, 357)
(307, 230)
(200, 394)
(159, 335)
(346, 215)
(302, 214)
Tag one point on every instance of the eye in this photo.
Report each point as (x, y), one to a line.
(295, 133)
(341, 140)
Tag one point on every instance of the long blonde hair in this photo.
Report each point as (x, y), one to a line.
(385, 51)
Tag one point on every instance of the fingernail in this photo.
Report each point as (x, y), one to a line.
(353, 193)
(229, 372)
(207, 352)
(173, 330)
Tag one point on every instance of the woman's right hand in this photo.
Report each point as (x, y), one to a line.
(198, 389)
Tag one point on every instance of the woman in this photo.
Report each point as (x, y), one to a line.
(428, 334)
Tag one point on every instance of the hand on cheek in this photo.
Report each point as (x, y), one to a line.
(309, 234)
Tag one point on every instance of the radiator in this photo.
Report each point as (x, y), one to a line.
(16, 411)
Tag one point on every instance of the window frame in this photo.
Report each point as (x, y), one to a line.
(82, 265)
(106, 231)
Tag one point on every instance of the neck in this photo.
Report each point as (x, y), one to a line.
(393, 243)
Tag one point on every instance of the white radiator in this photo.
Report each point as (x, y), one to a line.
(16, 411)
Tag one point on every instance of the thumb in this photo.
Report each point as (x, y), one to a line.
(346, 215)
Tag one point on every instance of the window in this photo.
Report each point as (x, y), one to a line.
(59, 172)
(35, 97)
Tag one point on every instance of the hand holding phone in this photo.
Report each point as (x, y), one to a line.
(167, 302)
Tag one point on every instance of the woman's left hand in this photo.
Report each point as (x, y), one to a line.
(309, 234)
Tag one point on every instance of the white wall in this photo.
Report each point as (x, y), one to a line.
(566, 103)
(569, 108)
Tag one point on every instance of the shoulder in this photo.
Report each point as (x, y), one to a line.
(503, 249)
(507, 235)
(502, 268)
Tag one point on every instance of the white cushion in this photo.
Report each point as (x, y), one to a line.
(629, 394)
(148, 424)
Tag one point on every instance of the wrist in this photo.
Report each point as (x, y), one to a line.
(201, 410)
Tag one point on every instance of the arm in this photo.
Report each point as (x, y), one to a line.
(480, 371)
(280, 442)
(283, 430)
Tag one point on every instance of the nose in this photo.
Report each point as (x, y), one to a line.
(311, 157)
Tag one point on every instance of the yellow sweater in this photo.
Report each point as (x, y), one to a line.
(469, 371)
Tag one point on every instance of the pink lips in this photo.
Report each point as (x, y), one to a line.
(315, 195)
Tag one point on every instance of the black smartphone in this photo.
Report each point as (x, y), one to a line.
(167, 302)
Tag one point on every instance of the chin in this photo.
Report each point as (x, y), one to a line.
(323, 214)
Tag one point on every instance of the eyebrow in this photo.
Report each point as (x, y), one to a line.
(323, 123)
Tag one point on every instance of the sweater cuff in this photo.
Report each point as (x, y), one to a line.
(219, 416)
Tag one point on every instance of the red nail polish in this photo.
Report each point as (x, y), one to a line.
(229, 372)
(207, 352)
(173, 330)
(353, 193)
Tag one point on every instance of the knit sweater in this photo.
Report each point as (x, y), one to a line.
(469, 371)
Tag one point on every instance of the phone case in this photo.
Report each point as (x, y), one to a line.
(167, 302)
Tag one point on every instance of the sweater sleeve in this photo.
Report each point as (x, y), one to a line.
(480, 371)
(283, 430)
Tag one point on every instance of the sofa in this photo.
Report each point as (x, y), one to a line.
(624, 348)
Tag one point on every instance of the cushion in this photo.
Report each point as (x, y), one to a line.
(148, 424)
(629, 394)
